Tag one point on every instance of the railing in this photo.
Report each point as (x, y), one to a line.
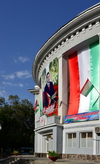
(12, 160)
(44, 120)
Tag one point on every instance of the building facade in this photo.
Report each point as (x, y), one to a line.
(67, 120)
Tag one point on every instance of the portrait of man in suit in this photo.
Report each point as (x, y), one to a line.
(49, 92)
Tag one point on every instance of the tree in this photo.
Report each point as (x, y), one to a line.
(17, 119)
(14, 99)
(2, 101)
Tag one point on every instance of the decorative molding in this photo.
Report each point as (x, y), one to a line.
(72, 37)
(77, 33)
(90, 26)
(83, 30)
(97, 23)
(88, 23)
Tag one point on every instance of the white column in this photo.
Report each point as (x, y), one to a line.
(35, 143)
(62, 87)
(94, 143)
(55, 138)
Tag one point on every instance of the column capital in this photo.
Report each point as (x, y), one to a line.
(60, 56)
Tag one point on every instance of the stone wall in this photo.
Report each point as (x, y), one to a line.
(80, 157)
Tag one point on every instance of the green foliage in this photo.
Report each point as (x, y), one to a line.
(15, 152)
(2, 101)
(53, 69)
(17, 120)
(53, 154)
(14, 99)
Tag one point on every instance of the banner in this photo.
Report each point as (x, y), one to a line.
(49, 85)
(82, 65)
(87, 116)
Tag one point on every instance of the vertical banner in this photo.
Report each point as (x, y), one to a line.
(49, 85)
(82, 65)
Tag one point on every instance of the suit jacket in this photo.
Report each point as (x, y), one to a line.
(50, 90)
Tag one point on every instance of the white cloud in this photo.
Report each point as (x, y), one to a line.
(23, 74)
(20, 74)
(6, 83)
(12, 76)
(23, 59)
(12, 84)
(21, 85)
(2, 93)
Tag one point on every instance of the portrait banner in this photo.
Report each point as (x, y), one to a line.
(49, 85)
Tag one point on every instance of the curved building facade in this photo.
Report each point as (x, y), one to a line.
(67, 96)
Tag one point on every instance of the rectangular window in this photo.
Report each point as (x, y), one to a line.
(86, 139)
(71, 140)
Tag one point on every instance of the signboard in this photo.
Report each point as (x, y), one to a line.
(87, 116)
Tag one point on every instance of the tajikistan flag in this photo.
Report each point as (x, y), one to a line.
(82, 65)
(88, 86)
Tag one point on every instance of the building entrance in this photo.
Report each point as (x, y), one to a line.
(49, 143)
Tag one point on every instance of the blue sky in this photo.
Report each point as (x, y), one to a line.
(25, 25)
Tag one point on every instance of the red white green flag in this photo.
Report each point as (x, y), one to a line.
(36, 106)
(41, 104)
(88, 86)
(82, 65)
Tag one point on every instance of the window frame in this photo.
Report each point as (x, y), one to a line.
(86, 139)
(73, 140)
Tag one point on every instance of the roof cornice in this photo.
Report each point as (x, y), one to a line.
(64, 32)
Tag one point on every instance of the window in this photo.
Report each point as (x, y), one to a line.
(71, 140)
(86, 139)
